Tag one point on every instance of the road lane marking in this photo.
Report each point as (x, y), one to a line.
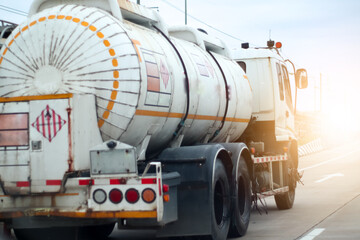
(314, 233)
(329, 177)
(328, 161)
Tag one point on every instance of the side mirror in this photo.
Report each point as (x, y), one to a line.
(301, 78)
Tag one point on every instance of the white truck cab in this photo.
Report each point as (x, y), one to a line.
(271, 79)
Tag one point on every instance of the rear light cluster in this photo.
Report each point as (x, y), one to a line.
(131, 196)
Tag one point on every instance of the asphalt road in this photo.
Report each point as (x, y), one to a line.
(326, 207)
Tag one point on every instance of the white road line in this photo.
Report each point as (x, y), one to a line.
(330, 160)
(314, 233)
(329, 177)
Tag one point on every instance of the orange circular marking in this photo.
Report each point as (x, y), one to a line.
(1, 59)
(106, 114)
(25, 28)
(113, 95)
(60, 17)
(101, 123)
(92, 28)
(11, 42)
(85, 24)
(51, 17)
(110, 105)
(33, 23)
(116, 84)
(100, 34)
(5, 51)
(42, 19)
(68, 18)
(106, 43)
(76, 20)
(112, 52)
(116, 74)
(115, 62)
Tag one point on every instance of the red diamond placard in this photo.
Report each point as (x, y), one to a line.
(49, 123)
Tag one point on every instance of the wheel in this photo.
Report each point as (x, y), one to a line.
(242, 202)
(286, 200)
(220, 221)
(97, 232)
(45, 233)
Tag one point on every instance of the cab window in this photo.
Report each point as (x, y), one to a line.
(287, 86)
(242, 65)
(281, 88)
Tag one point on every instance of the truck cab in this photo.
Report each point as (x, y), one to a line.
(273, 82)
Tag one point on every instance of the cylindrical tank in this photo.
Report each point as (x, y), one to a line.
(135, 73)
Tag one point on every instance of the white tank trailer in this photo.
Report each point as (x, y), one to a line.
(109, 116)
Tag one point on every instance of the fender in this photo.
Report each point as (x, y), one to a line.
(195, 164)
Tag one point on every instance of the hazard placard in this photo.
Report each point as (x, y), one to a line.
(48, 123)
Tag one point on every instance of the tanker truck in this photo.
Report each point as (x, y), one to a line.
(109, 116)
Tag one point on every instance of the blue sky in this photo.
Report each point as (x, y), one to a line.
(322, 36)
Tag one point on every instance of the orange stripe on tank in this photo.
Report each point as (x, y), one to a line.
(92, 28)
(116, 84)
(110, 105)
(25, 28)
(100, 34)
(106, 43)
(85, 24)
(113, 95)
(42, 19)
(33, 23)
(115, 62)
(106, 114)
(116, 74)
(136, 44)
(190, 116)
(101, 123)
(112, 52)
(17, 35)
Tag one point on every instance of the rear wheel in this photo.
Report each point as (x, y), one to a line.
(221, 203)
(242, 202)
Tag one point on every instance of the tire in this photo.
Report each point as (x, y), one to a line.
(241, 202)
(286, 200)
(220, 221)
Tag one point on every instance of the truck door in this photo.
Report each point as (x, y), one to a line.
(284, 109)
(280, 108)
(289, 113)
(34, 145)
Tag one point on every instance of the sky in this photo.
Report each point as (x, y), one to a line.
(322, 36)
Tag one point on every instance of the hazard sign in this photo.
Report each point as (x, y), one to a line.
(49, 123)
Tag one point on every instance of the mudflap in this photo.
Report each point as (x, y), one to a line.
(195, 165)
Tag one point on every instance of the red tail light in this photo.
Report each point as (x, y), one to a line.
(132, 195)
(115, 196)
(165, 188)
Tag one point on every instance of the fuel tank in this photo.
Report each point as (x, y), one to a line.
(152, 87)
